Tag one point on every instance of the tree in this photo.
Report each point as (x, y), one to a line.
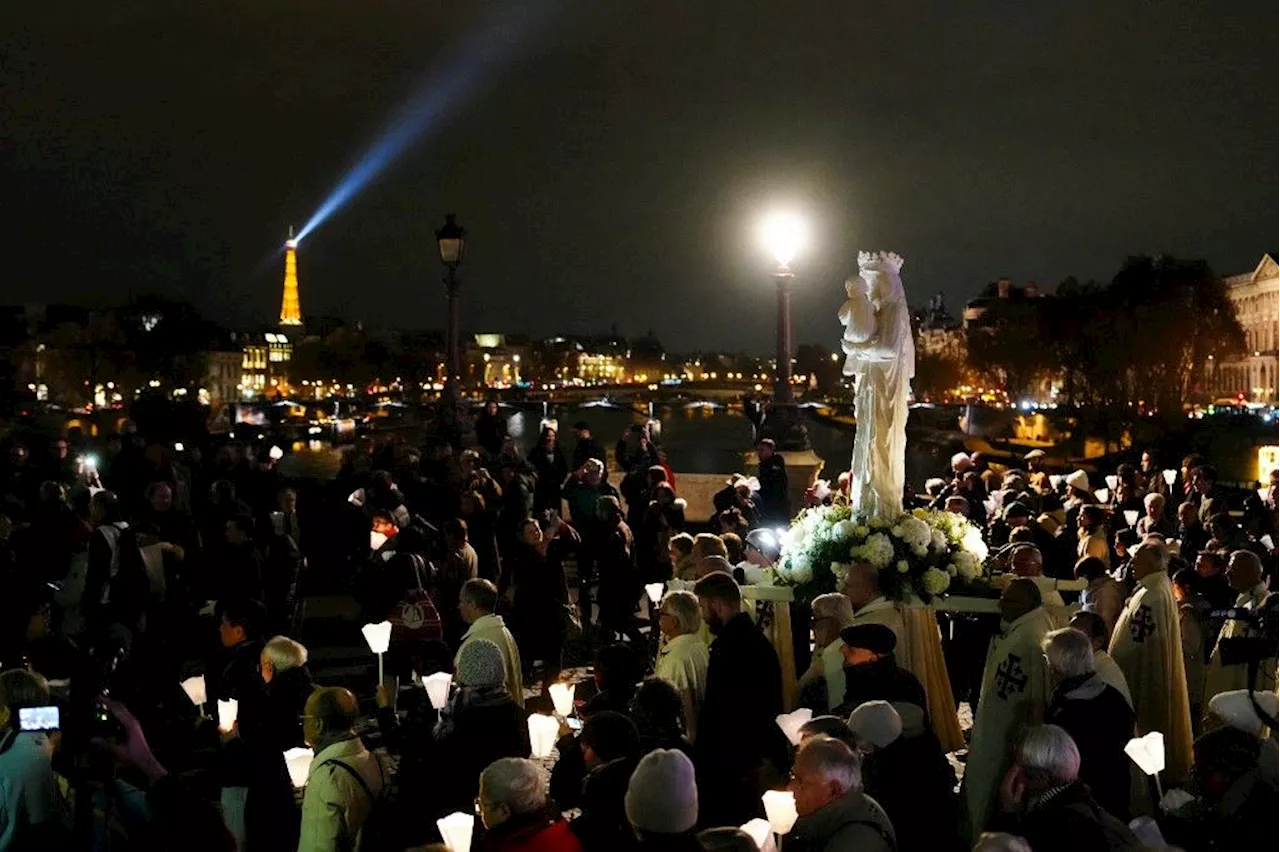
(936, 375)
(1009, 340)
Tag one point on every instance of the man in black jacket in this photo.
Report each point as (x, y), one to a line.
(736, 728)
(587, 447)
(1043, 800)
(775, 505)
(871, 672)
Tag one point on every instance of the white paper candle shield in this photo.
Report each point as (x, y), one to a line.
(654, 591)
(1055, 480)
(1113, 481)
(1147, 752)
(378, 636)
(542, 734)
(562, 697)
(1169, 476)
(456, 830)
(194, 688)
(780, 808)
(438, 688)
(792, 722)
(1266, 542)
(1131, 517)
(376, 539)
(298, 761)
(227, 712)
(759, 831)
(1102, 494)
(275, 453)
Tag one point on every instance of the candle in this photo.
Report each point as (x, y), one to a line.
(456, 830)
(562, 697)
(780, 808)
(542, 734)
(298, 761)
(438, 688)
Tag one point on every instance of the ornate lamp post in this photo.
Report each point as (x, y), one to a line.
(784, 235)
(451, 238)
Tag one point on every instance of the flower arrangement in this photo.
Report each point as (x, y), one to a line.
(918, 554)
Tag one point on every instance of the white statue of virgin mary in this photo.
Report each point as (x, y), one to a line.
(882, 356)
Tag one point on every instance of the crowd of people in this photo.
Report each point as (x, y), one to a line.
(128, 573)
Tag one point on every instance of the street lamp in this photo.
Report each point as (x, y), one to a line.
(784, 235)
(451, 238)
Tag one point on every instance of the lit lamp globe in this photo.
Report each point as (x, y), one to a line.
(783, 235)
(452, 240)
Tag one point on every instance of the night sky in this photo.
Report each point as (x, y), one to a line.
(610, 161)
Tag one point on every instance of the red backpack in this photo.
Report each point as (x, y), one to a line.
(414, 618)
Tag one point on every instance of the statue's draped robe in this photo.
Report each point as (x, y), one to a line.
(882, 357)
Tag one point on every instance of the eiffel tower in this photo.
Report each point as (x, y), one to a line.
(290, 307)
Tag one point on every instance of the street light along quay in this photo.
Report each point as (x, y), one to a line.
(451, 239)
(784, 235)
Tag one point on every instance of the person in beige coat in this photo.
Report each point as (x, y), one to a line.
(683, 659)
(345, 779)
(476, 603)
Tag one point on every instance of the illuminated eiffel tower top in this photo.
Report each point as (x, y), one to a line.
(290, 307)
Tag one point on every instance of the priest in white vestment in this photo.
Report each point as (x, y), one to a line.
(1147, 645)
(1016, 687)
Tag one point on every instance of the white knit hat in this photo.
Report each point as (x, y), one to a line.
(1078, 479)
(480, 663)
(662, 796)
(876, 723)
(1236, 710)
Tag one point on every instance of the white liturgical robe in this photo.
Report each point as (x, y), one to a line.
(1015, 691)
(1147, 645)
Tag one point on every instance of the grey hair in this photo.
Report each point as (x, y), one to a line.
(1049, 752)
(514, 782)
(1070, 652)
(833, 605)
(833, 760)
(1153, 497)
(283, 653)
(999, 841)
(683, 607)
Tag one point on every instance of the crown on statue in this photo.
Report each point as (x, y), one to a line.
(883, 259)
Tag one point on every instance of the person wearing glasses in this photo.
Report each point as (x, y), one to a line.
(821, 687)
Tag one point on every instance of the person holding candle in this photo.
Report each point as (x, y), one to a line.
(344, 779)
(480, 724)
(833, 812)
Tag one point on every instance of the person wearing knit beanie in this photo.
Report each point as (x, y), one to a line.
(480, 664)
(662, 797)
(875, 724)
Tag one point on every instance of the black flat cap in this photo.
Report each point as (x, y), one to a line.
(876, 638)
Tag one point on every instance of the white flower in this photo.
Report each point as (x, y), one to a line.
(951, 569)
(840, 570)
(967, 565)
(861, 531)
(877, 550)
(896, 531)
(935, 581)
(802, 572)
(915, 532)
(842, 530)
(938, 540)
(973, 543)
(878, 523)
(903, 566)
(920, 551)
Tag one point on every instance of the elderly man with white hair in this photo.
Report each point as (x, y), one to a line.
(1094, 713)
(514, 809)
(821, 687)
(1043, 800)
(1244, 573)
(683, 659)
(835, 815)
